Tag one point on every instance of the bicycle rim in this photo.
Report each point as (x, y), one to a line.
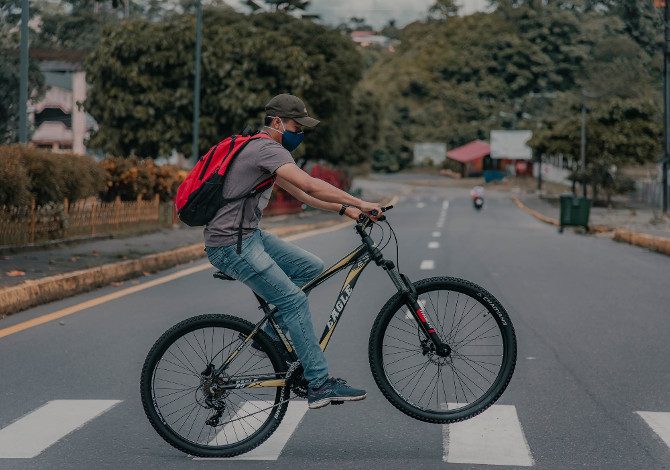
(183, 398)
(471, 378)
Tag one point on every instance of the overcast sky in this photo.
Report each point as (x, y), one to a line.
(377, 12)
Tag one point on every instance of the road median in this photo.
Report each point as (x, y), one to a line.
(40, 291)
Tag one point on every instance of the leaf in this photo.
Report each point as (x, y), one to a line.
(15, 273)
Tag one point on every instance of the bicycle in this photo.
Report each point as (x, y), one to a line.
(237, 393)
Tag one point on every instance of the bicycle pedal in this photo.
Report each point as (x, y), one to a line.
(336, 402)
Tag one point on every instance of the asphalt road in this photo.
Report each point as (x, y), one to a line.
(592, 319)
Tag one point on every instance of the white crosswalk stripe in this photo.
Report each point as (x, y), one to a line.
(272, 448)
(494, 437)
(659, 422)
(40, 429)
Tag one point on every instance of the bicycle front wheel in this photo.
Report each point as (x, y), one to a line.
(433, 388)
(199, 412)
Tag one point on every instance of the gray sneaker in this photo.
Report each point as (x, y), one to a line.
(335, 391)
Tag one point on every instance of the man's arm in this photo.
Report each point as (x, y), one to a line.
(319, 189)
(302, 196)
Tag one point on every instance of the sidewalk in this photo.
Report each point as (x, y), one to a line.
(635, 220)
(36, 264)
(16, 268)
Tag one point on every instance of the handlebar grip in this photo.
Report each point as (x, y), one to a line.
(387, 208)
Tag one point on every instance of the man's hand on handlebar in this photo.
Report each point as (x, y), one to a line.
(372, 210)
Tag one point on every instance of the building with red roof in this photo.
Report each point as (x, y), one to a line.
(471, 157)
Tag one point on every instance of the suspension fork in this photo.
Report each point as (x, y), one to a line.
(411, 301)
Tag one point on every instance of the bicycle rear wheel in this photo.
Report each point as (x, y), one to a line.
(193, 410)
(426, 386)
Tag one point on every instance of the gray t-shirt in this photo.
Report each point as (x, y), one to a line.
(259, 160)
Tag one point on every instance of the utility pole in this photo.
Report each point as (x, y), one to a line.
(196, 86)
(582, 146)
(23, 75)
(666, 103)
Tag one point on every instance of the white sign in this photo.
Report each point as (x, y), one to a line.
(434, 151)
(511, 144)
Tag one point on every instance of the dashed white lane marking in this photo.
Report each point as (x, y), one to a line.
(31, 435)
(443, 214)
(659, 422)
(437, 234)
(427, 264)
(433, 245)
(272, 448)
(494, 437)
(420, 205)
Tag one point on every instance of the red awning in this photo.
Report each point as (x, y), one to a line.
(469, 152)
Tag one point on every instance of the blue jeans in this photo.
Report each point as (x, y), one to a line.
(275, 270)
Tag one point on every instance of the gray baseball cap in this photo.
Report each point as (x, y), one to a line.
(289, 106)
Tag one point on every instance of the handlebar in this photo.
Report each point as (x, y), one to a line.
(364, 218)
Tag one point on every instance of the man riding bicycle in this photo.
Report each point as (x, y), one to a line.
(271, 267)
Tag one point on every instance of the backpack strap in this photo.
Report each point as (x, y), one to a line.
(259, 188)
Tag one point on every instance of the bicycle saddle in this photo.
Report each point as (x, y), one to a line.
(223, 276)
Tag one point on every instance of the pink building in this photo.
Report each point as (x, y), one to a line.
(59, 121)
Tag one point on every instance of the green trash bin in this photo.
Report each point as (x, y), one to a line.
(574, 211)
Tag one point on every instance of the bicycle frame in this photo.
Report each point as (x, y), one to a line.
(358, 259)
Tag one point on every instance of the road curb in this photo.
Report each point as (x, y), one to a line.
(37, 292)
(644, 240)
(539, 216)
(550, 220)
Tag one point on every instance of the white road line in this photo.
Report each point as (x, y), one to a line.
(659, 422)
(445, 206)
(433, 245)
(427, 264)
(31, 435)
(272, 448)
(420, 205)
(494, 437)
(437, 234)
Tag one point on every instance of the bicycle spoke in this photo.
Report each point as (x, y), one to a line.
(420, 375)
(182, 406)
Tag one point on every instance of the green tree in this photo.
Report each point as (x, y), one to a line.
(334, 68)
(9, 90)
(443, 9)
(142, 76)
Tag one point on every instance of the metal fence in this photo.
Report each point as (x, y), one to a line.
(649, 193)
(32, 224)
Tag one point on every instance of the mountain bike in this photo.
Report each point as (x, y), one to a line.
(441, 350)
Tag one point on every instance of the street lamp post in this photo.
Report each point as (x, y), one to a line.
(582, 143)
(196, 85)
(23, 75)
(666, 103)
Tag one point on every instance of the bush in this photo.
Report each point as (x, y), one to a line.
(132, 178)
(14, 182)
(47, 176)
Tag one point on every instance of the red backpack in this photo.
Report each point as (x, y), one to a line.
(200, 195)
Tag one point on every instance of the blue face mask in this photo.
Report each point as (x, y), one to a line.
(289, 139)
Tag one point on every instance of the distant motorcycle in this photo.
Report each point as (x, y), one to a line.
(477, 194)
